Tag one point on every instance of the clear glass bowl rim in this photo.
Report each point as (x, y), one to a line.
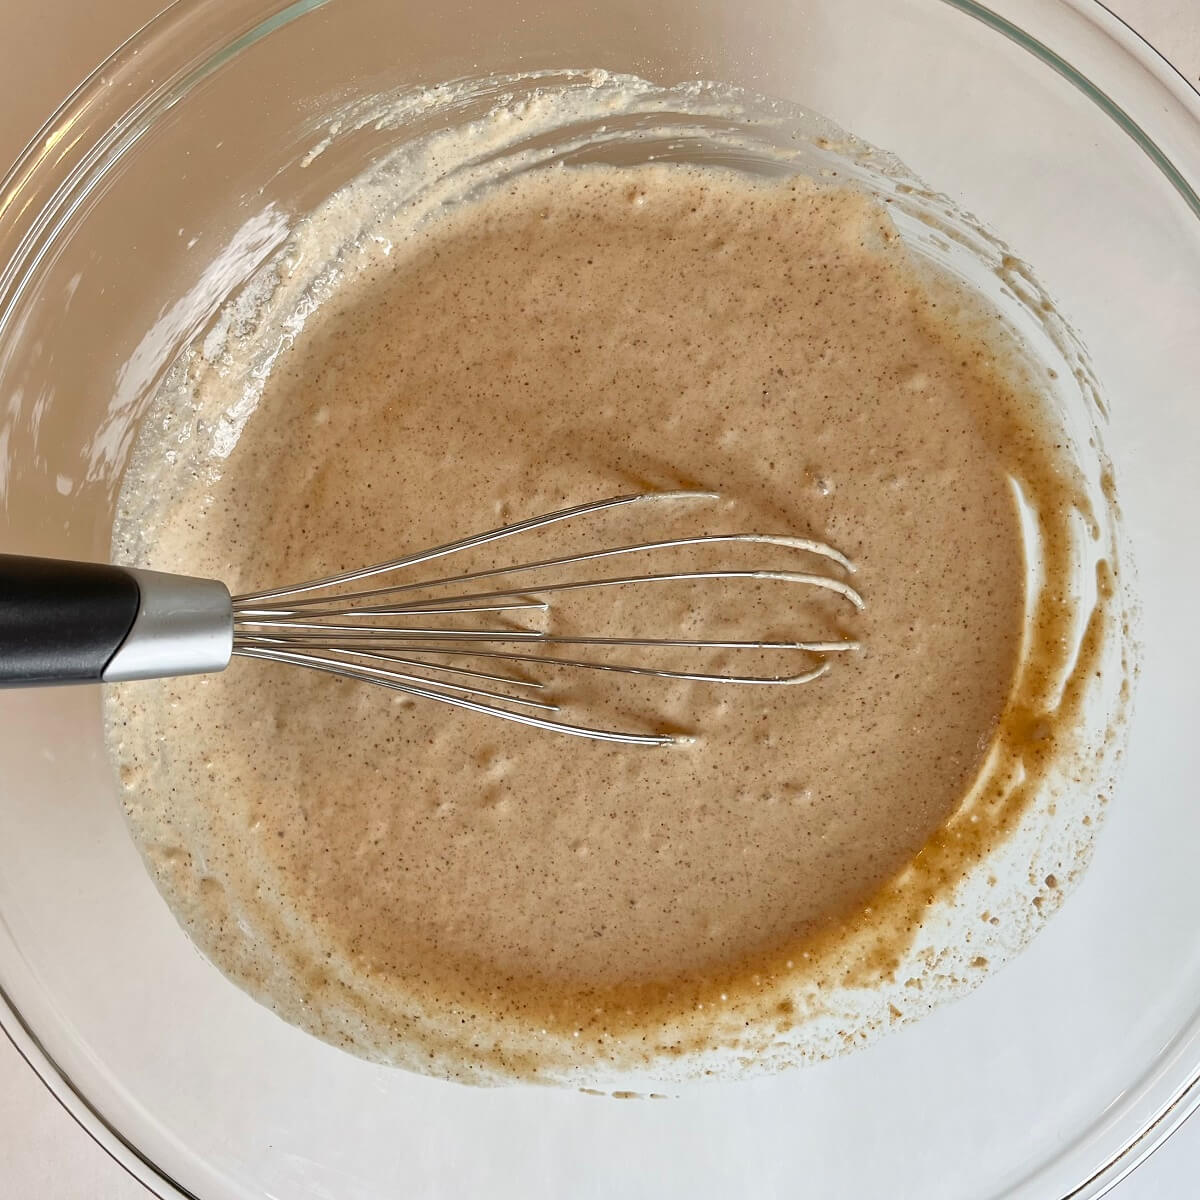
(191, 39)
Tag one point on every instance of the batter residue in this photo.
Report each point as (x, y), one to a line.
(437, 889)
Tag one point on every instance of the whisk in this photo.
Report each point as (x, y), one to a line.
(444, 638)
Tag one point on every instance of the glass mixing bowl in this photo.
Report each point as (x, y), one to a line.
(161, 185)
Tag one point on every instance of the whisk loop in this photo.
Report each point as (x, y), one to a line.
(383, 635)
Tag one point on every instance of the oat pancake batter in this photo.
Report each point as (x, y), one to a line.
(413, 881)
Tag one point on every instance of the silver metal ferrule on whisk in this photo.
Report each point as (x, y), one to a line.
(183, 626)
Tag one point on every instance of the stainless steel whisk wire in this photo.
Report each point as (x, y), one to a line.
(377, 636)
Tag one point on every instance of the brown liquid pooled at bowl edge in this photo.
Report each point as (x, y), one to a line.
(577, 334)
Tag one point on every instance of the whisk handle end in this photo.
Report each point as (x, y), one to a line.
(72, 622)
(61, 622)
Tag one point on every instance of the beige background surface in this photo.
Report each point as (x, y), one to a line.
(45, 49)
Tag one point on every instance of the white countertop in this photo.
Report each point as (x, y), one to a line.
(44, 1155)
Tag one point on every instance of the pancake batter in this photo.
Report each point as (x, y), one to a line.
(435, 888)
